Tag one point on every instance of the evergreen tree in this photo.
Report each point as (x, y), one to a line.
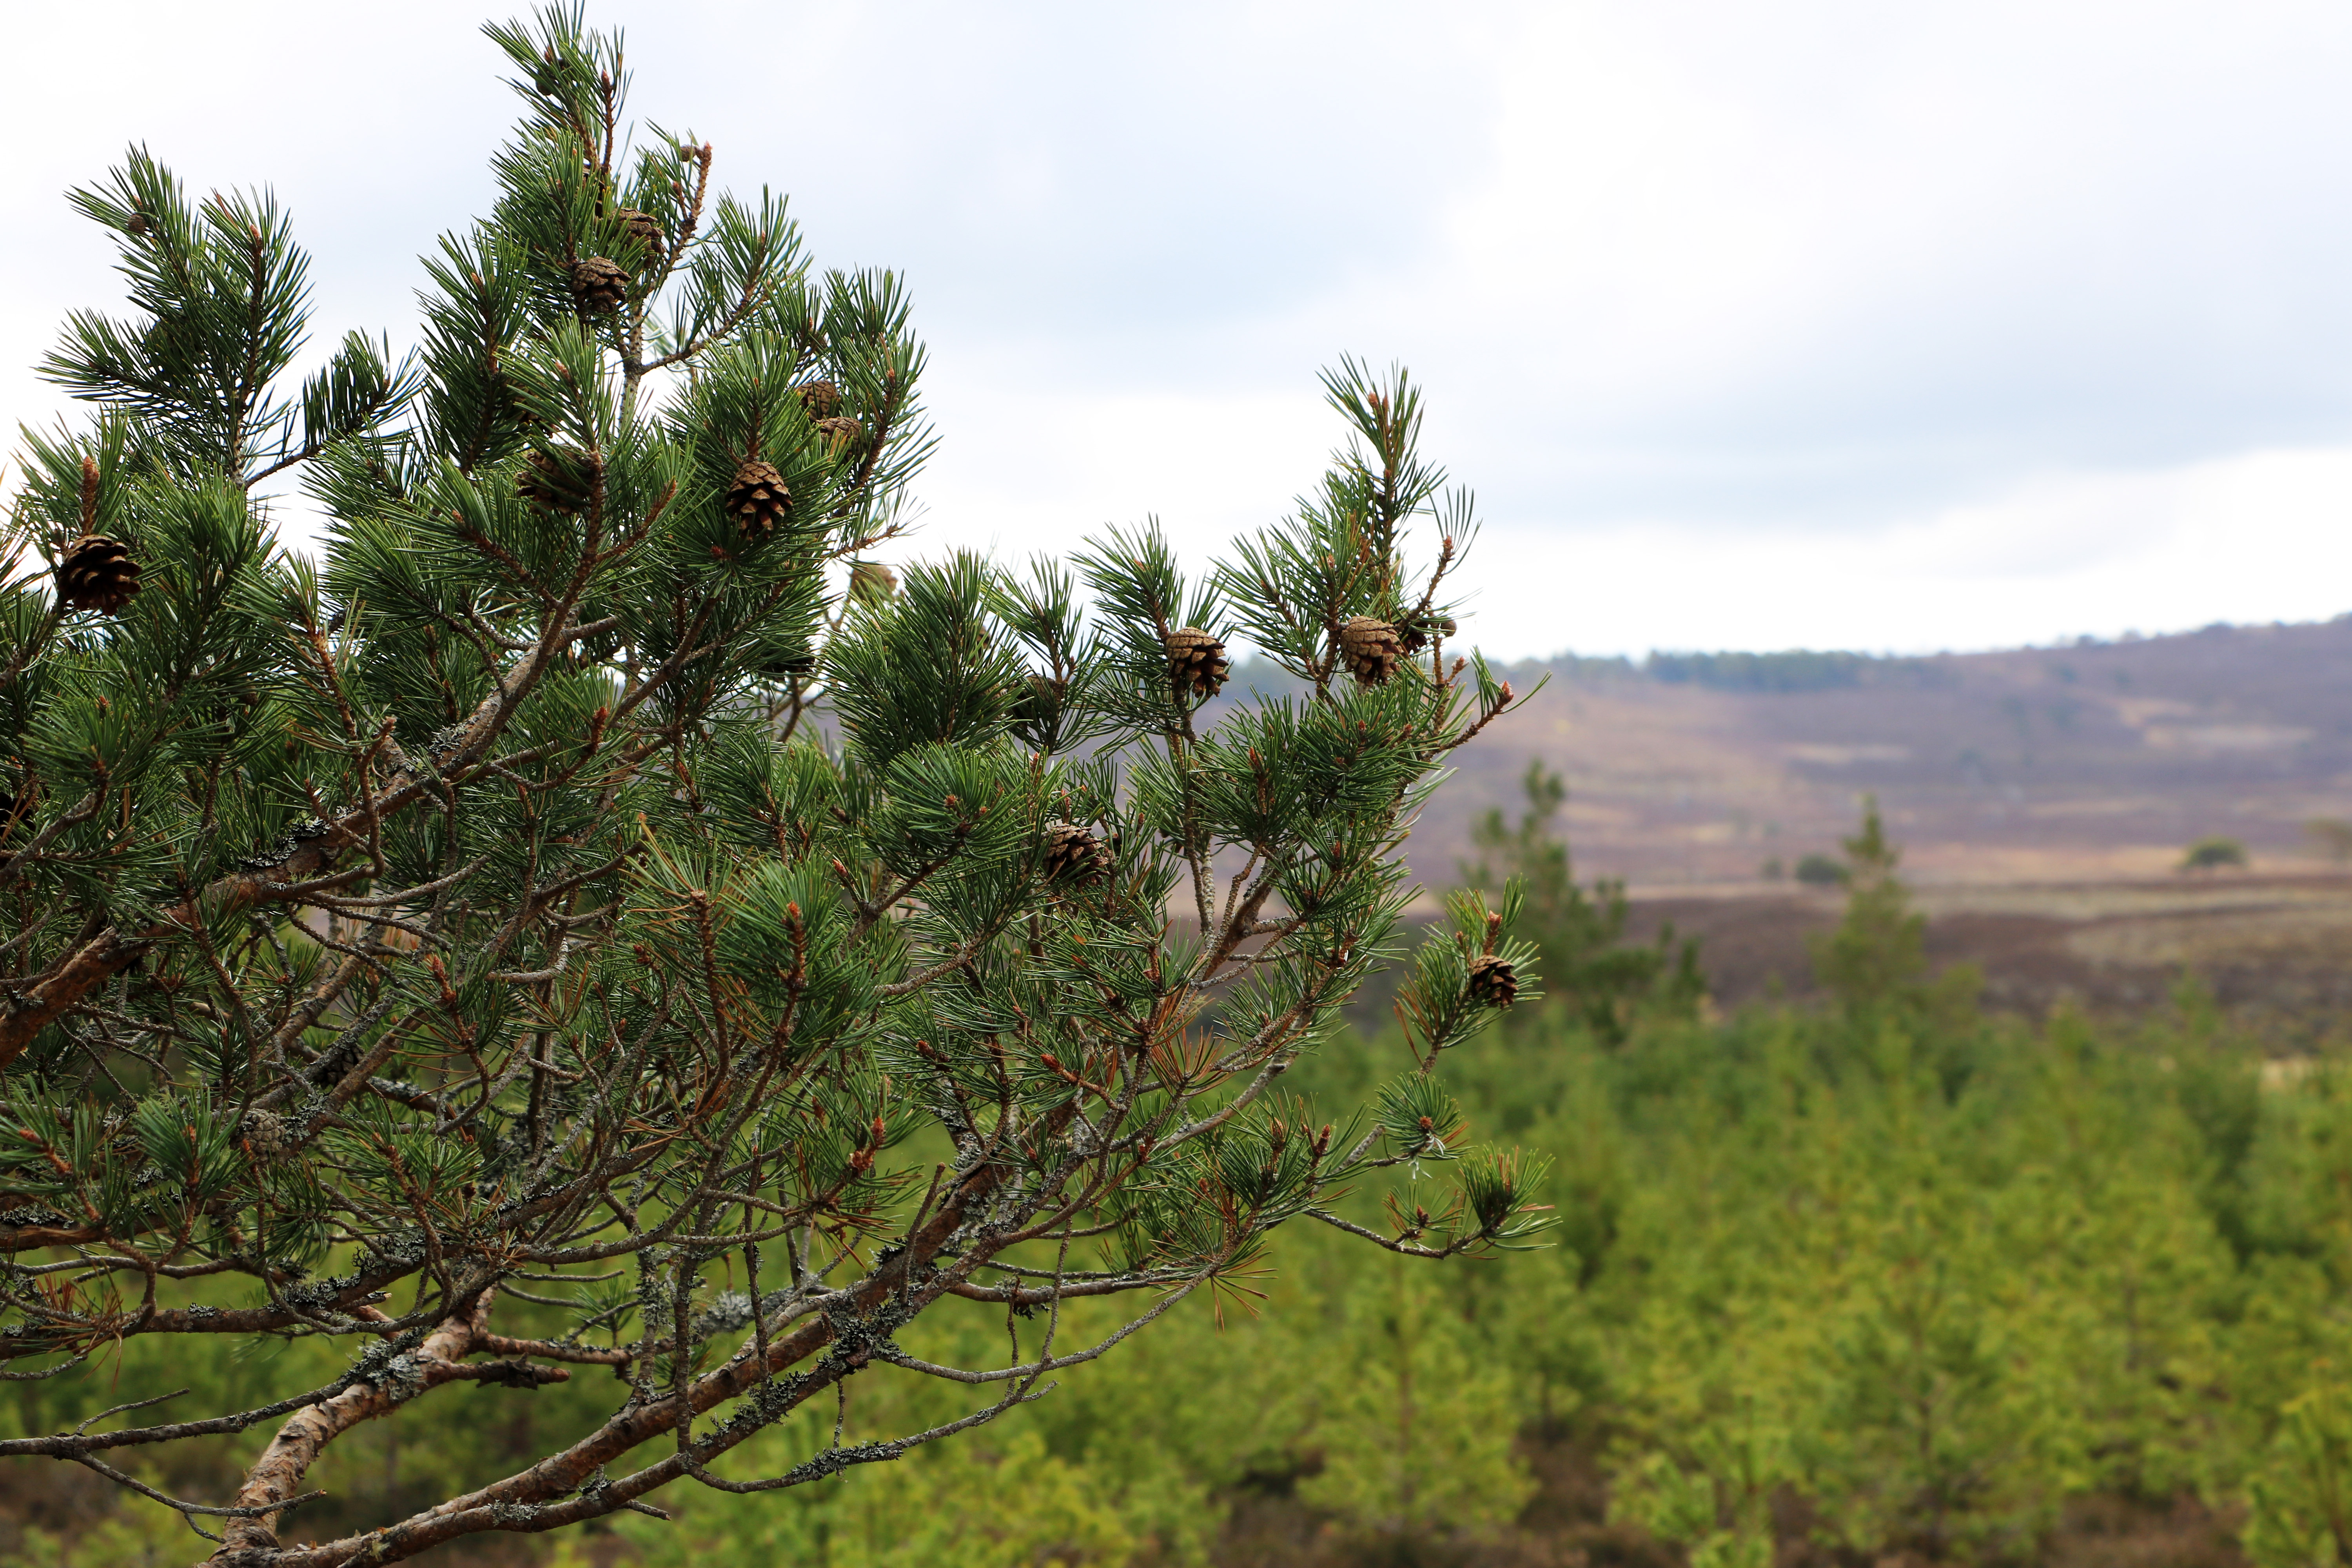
(1877, 955)
(1876, 962)
(595, 875)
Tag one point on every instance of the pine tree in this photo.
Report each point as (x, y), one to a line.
(1876, 962)
(1877, 956)
(595, 861)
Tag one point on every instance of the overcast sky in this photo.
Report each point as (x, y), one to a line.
(1753, 326)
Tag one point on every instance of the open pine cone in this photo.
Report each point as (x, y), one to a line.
(599, 283)
(97, 572)
(819, 399)
(758, 500)
(1196, 659)
(1075, 855)
(1370, 648)
(557, 477)
(1492, 983)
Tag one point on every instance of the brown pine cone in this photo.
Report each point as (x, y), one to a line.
(1414, 631)
(1196, 661)
(819, 399)
(841, 434)
(642, 228)
(1075, 856)
(560, 478)
(1371, 648)
(792, 664)
(871, 582)
(758, 500)
(97, 572)
(264, 1134)
(599, 284)
(1037, 704)
(1492, 983)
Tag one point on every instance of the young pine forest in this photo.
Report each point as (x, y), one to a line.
(1891, 1280)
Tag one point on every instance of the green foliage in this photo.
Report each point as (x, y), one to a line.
(1878, 953)
(1815, 870)
(1580, 934)
(2302, 1513)
(565, 930)
(1717, 1498)
(1414, 1423)
(2213, 855)
(1907, 1285)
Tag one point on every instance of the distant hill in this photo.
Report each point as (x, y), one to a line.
(2088, 762)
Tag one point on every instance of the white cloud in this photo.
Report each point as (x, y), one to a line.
(2252, 537)
(1825, 323)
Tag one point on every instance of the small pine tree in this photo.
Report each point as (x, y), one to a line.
(1876, 962)
(1878, 953)
(1580, 935)
(596, 867)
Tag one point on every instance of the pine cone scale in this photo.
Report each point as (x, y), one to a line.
(820, 400)
(843, 435)
(642, 228)
(558, 478)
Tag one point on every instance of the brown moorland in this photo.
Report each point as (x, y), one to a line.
(2045, 798)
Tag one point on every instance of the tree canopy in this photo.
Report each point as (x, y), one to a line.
(594, 873)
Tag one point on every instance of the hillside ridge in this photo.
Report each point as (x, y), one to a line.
(2087, 761)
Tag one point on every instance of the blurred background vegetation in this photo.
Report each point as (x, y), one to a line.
(1883, 1281)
